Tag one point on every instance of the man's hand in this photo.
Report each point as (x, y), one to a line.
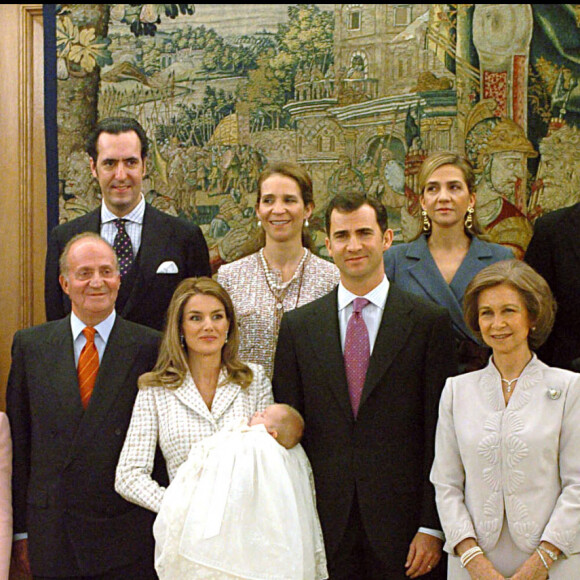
(20, 561)
(424, 554)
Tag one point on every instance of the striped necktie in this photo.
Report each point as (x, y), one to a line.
(88, 366)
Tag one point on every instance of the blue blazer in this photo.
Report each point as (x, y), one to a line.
(411, 267)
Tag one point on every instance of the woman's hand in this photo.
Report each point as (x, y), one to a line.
(480, 568)
(532, 569)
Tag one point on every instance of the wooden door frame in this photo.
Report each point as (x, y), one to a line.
(22, 174)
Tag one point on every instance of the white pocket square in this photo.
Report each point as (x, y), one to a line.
(168, 268)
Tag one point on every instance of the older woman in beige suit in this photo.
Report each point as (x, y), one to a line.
(507, 458)
(5, 496)
(198, 387)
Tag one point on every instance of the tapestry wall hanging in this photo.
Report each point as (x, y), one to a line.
(359, 94)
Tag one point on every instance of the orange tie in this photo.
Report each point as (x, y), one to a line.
(88, 366)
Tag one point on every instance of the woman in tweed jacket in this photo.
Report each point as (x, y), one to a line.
(198, 387)
(284, 274)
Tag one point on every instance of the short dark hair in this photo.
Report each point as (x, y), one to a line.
(533, 289)
(116, 126)
(349, 202)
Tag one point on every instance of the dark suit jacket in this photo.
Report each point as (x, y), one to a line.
(386, 454)
(554, 252)
(144, 295)
(65, 458)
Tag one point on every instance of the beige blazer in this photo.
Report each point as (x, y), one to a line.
(5, 496)
(522, 459)
(176, 419)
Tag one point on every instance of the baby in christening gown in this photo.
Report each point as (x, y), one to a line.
(243, 507)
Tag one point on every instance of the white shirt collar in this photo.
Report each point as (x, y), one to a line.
(136, 215)
(377, 296)
(104, 328)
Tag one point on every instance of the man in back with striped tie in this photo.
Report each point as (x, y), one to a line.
(70, 396)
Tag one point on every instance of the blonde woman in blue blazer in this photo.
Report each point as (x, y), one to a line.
(442, 260)
(507, 448)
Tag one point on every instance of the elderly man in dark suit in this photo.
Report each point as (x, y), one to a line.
(554, 252)
(365, 366)
(70, 396)
(156, 251)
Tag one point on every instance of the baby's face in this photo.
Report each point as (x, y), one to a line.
(270, 417)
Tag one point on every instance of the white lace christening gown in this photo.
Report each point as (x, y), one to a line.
(241, 506)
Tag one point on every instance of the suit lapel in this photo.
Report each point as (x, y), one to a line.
(111, 380)
(90, 222)
(59, 362)
(224, 397)
(394, 330)
(478, 253)
(324, 334)
(426, 273)
(478, 256)
(189, 396)
(154, 237)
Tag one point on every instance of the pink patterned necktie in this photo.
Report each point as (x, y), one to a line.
(123, 247)
(357, 352)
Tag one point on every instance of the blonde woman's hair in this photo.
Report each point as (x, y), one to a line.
(437, 160)
(533, 289)
(172, 367)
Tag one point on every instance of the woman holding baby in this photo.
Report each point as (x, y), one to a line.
(198, 388)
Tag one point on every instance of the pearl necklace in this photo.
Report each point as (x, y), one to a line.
(279, 291)
(272, 279)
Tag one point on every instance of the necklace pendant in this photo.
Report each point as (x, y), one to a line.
(279, 305)
(509, 384)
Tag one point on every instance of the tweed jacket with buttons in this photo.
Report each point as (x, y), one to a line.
(176, 419)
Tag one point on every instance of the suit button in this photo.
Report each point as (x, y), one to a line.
(117, 431)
